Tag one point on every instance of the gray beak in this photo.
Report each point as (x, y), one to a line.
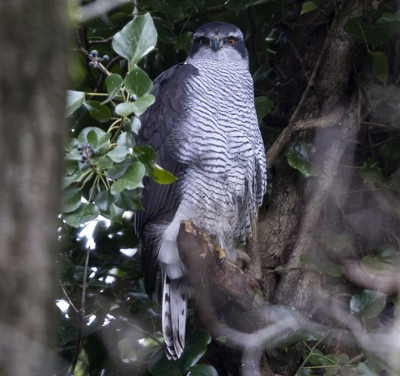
(216, 43)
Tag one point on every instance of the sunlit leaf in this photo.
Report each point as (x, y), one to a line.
(263, 106)
(137, 82)
(71, 199)
(75, 99)
(136, 39)
(308, 6)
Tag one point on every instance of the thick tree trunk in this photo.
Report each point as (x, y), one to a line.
(33, 45)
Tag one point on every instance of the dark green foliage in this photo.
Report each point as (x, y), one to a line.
(104, 171)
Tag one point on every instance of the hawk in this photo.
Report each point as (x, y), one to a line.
(204, 128)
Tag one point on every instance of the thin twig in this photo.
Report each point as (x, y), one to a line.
(68, 298)
(81, 316)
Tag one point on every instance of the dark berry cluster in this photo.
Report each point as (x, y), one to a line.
(86, 150)
(95, 59)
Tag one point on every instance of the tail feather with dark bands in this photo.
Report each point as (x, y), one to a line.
(174, 306)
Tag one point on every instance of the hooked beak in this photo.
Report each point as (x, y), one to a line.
(216, 43)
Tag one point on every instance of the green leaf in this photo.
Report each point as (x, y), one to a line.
(75, 99)
(113, 84)
(336, 243)
(131, 179)
(391, 150)
(137, 107)
(262, 74)
(83, 136)
(136, 39)
(135, 125)
(116, 213)
(263, 106)
(308, 6)
(99, 111)
(125, 139)
(147, 156)
(129, 200)
(371, 172)
(388, 253)
(92, 138)
(118, 170)
(235, 5)
(85, 213)
(299, 155)
(168, 12)
(162, 176)
(103, 200)
(68, 180)
(103, 145)
(202, 370)
(183, 41)
(137, 82)
(71, 199)
(375, 34)
(118, 154)
(368, 303)
(380, 66)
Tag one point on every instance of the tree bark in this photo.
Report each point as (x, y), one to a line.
(33, 43)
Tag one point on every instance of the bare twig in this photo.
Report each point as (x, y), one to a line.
(81, 316)
(68, 298)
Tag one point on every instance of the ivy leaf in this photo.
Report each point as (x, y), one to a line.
(380, 66)
(202, 370)
(143, 103)
(75, 99)
(263, 106)
(83, 136)
(147, 156)
(118, 154)
(113, 84)
(375, 34)
(336, 243)
(71, 199)
(135, 125)
(119, 169)
(137, 82)
(131, 179)
(99, 111)
(103, 200)
(308, 6)
(137, 107)
(85, 213)
(162, 176)
(368, 303)
(136, 39)
(298, 155)
(129, 200)
(391, 150)
(325, 266)
(371, 172)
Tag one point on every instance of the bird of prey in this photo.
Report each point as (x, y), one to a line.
(204, 128)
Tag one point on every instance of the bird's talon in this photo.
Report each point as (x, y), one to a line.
(221, 255)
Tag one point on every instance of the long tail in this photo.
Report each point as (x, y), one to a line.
(174, 305)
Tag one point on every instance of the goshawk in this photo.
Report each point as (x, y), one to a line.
(204, 128)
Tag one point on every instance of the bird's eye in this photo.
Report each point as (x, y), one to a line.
(231, 40)
(203, 40)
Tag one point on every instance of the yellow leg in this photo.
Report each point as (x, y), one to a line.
(221, 254)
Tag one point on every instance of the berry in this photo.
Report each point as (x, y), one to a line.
(95, 151)
(105, 59)
(84, 157)
(95, 65)
(94, 52)
(79, 147)
(91, 64)
(90, 56)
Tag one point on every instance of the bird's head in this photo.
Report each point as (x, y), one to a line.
(219, 41)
